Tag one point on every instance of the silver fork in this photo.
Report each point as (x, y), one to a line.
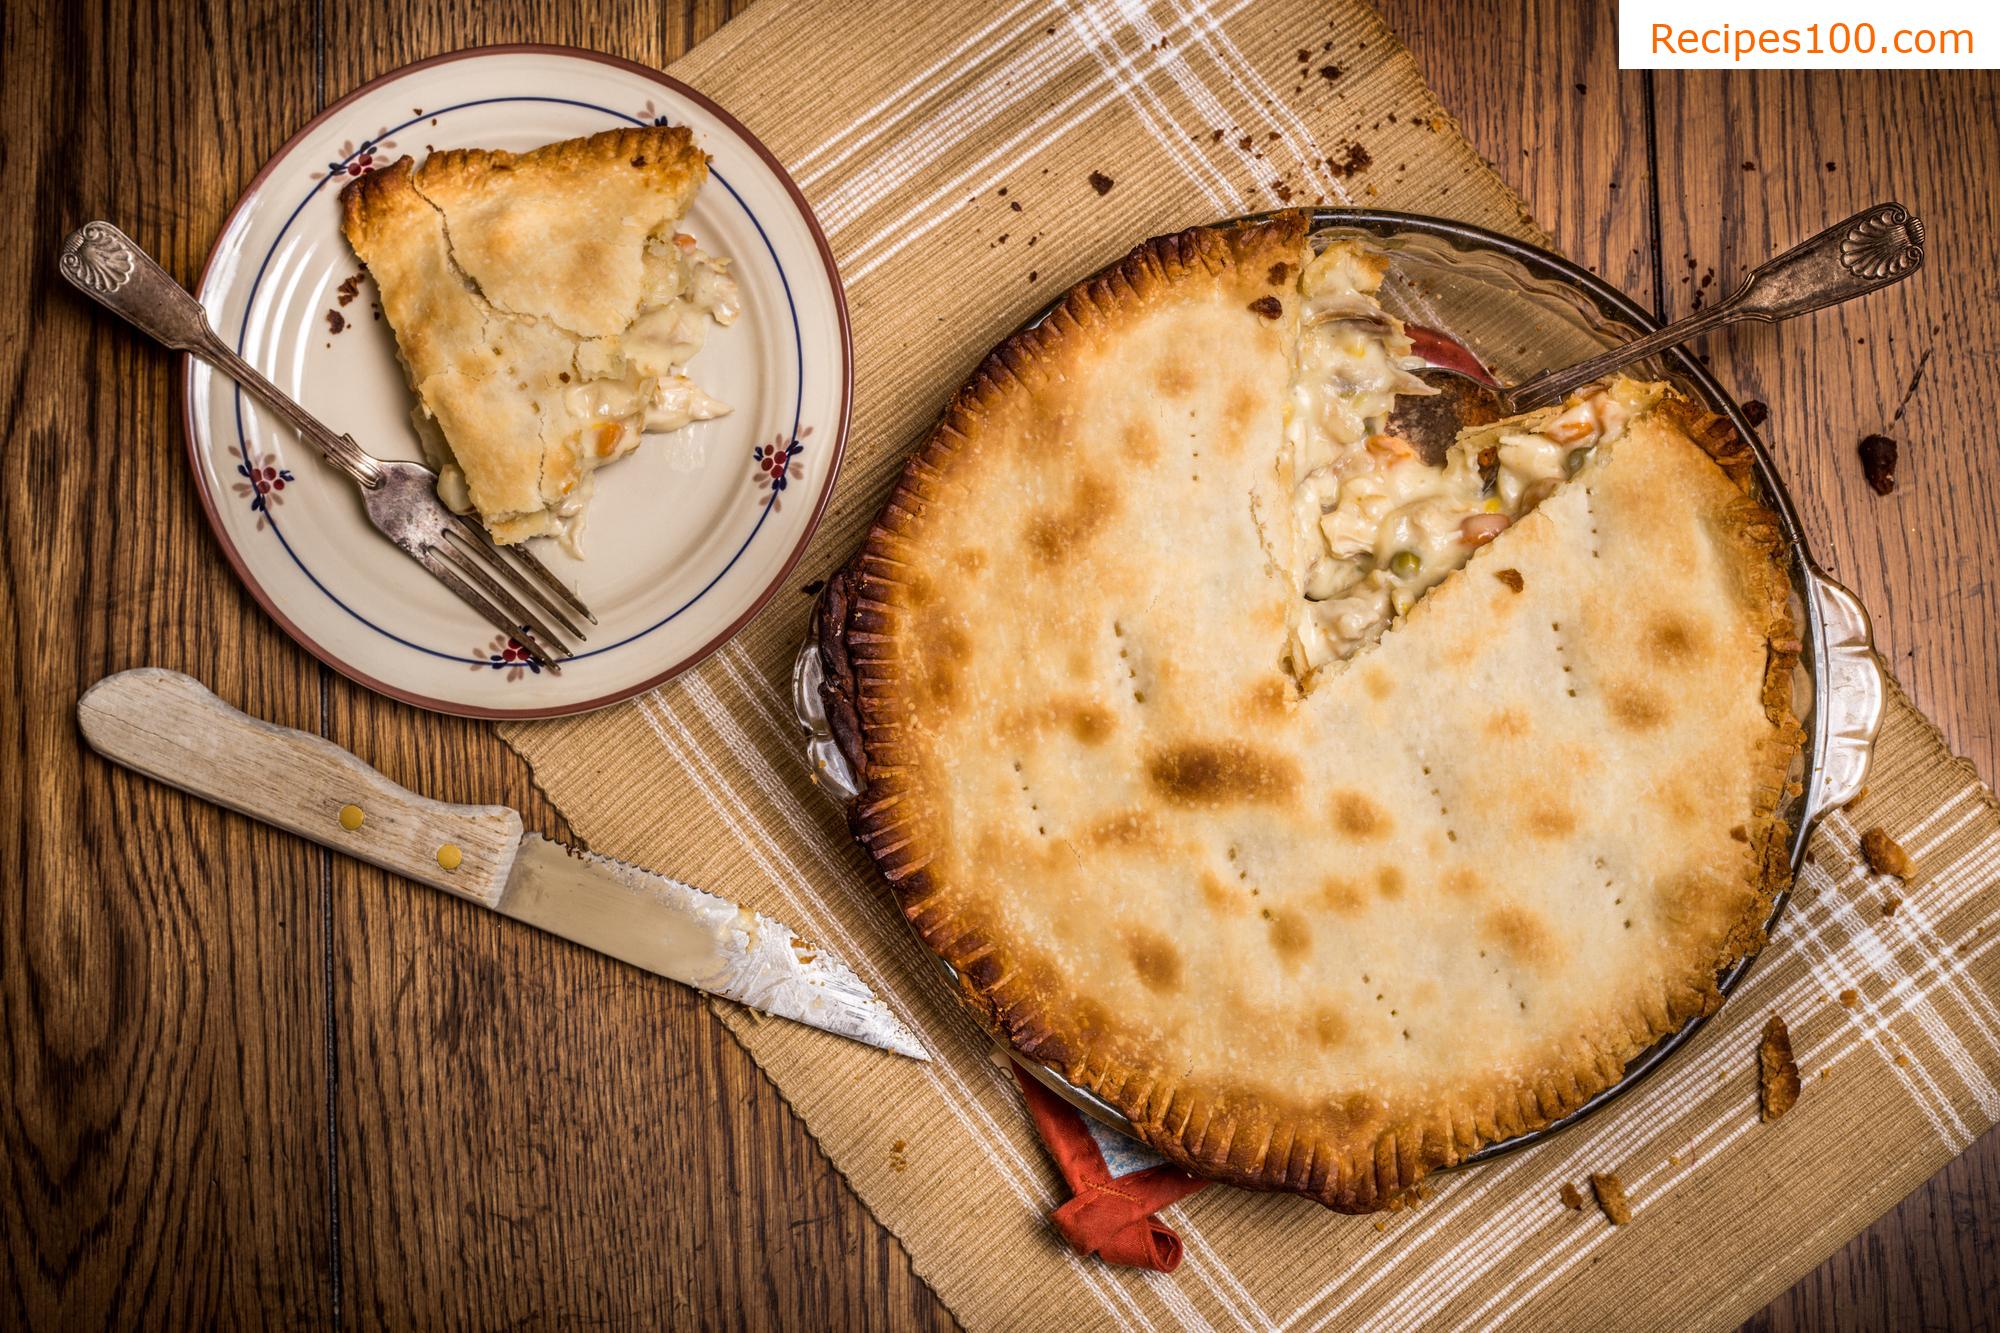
(508, 586)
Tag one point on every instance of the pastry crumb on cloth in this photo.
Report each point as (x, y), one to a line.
(1572, 1198)
(1610, 1192)
(1885, 856)
(1777, 1072)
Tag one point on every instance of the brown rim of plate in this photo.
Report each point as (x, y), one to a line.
(333, 659)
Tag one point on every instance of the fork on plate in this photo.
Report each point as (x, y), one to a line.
(508, 586)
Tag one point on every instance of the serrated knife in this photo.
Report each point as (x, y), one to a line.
(169, 727)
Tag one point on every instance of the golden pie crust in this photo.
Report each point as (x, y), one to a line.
(496, 270)
(1324, 942)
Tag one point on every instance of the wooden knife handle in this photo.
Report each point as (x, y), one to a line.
(169, 727)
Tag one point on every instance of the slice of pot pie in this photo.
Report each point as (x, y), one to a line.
(1321, 925)
(545, 306)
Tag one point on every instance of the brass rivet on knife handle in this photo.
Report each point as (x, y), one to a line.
(167, 726)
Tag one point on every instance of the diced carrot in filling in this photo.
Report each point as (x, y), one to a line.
(1375, 527)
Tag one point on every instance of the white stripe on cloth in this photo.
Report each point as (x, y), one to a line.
(1201, 98)
(923, 216)
(1882, 958)
(980, 104)
(1498, 1236)
(1915, 920)
(1242, 1307)
(906, 98)
(1263, 101)
(1837, 972)
(1855, 877)
(1675, 1089)
(783, 731)
(1686, 1167)
(824, 925)
(1138, 93)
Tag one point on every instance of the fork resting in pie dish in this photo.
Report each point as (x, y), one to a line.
(1327, 813)
(545, 307)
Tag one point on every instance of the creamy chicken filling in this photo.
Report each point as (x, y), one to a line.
(1375, 526)
(634, 383)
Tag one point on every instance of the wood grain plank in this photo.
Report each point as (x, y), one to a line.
(526, 1131)
(1537, 90)
(1782, 155)
(529, 1131)
(164, 1126)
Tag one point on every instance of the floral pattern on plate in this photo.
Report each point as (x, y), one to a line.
(262, 483)
(508, 654)
(359, 159)
(775, 465)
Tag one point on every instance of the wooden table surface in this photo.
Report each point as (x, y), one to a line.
(249, 1082)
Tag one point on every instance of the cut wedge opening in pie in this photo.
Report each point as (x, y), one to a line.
(545, 306)
(1375, 526)
(1323, 868)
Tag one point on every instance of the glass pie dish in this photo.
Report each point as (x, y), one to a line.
(1520, 310)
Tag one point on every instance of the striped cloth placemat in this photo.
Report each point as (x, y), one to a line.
(949, 150)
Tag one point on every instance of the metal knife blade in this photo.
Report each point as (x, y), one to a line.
(169, 727)
(706, 941)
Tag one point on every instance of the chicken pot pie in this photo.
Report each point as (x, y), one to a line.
(1320, 903)
(545, 306)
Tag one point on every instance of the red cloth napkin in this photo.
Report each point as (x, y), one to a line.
(1110, 1216)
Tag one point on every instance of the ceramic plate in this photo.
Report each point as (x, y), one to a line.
(687, 538)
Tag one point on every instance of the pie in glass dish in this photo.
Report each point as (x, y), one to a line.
(545, 306)
(1328, 813)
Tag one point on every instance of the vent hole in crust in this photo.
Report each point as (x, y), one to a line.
(1437, 795)
(1555, 627)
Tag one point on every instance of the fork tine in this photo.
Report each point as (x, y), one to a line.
(467, 566)
(488, 612)
(530, 562)
(528, 592)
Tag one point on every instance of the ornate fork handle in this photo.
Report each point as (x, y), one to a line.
(1874, 248)
(102, 262)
